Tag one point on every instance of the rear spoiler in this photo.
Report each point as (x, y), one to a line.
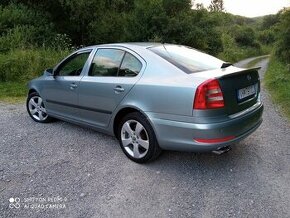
(242, 71)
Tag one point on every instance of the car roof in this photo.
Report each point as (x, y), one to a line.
(125, 44)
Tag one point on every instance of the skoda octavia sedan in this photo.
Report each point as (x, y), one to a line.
(151, 97)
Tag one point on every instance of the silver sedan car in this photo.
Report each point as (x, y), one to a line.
(151, 96)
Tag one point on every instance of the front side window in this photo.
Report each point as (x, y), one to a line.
(74, 65)
(130, 67)
(106, 62)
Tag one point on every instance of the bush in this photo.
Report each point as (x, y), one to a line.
(245, 36)
(17, 37)
(22, 65)
(283, 44)
(267, 37)
(233, 53)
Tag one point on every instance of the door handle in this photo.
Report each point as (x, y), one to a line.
(73, 86)
(119, 89)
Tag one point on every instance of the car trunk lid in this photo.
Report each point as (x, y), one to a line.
(240, 89)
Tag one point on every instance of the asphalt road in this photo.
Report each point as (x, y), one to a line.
(62, 170)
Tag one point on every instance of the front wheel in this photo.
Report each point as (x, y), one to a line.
(36, 108)
(137, 138)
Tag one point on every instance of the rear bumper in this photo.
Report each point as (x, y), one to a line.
(176, 135)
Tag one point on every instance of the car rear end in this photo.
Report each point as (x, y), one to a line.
(226, 108)
(230, 107)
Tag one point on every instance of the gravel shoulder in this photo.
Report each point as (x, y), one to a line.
(94, 178)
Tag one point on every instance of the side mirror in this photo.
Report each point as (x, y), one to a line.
(48, 72)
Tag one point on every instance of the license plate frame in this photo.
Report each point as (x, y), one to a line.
(246, 92)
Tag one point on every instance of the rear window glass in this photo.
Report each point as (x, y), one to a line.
(187, 59)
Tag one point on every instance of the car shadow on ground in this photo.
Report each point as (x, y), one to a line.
(240, 154)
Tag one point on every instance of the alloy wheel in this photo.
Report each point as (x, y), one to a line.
(134, 138)
(37, 109)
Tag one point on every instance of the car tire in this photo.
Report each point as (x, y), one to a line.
(36, 108)
(137, 138)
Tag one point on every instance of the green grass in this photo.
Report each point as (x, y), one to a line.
(277, 80)
(12, 92)
(256, 60)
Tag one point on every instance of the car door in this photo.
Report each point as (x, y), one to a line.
(60, 91)
(112, 74)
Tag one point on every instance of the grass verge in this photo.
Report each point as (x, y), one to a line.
(255, 61)
(277, 80)
(12, 92)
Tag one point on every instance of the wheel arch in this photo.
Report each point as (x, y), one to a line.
(31, 90)
(32, 87)
(123, 112)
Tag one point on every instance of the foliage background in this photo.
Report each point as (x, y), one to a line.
(36, 34)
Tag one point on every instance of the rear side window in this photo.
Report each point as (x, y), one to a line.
(130, 67)
(113, 63)
(187, 59)
(106, 62)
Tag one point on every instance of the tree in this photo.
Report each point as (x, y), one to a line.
(173, 7)
(199, 6)
(216, 6)
(269, 21)
(103, 21)
(147, 22)
(22, 27)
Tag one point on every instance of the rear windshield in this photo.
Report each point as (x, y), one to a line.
(187, 59)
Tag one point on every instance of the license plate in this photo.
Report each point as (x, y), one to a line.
(246, 92)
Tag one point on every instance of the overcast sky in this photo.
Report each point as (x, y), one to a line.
(251, 8)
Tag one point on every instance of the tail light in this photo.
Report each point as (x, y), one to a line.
(209, 95)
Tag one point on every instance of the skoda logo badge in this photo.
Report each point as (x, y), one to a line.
(249, 77)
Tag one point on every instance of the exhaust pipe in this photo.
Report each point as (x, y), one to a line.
(222, 150)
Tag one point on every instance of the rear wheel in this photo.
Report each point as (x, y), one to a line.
(137, 138)
(36, 109)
